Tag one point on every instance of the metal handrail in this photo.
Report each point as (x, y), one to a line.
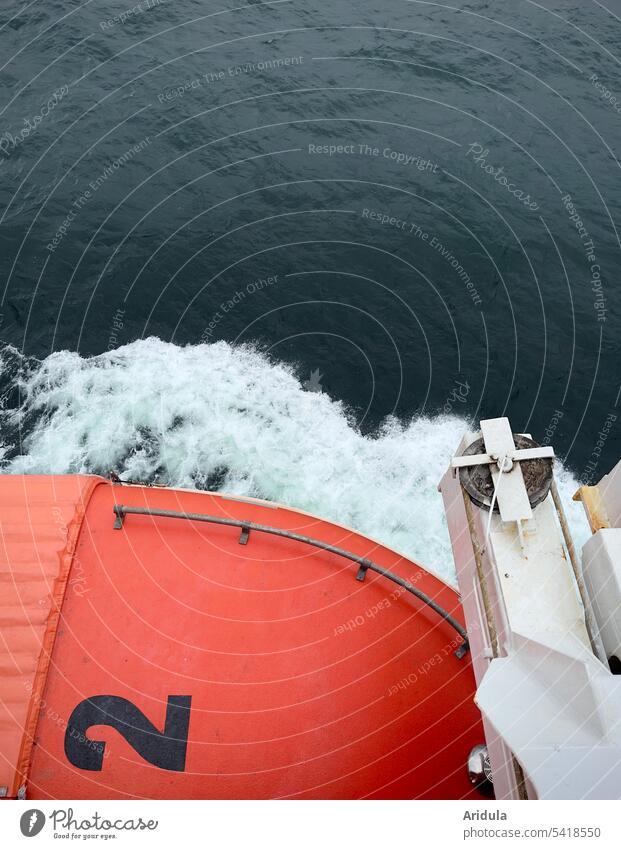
(122, 510)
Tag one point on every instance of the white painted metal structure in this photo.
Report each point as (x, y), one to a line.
(551, 706)
(601, 557)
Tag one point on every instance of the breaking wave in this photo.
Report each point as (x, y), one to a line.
(228, 418)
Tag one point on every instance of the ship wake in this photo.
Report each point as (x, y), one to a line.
(228, 418)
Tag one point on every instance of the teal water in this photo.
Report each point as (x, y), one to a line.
(412, 205)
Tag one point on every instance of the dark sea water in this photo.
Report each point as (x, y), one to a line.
(377, 197)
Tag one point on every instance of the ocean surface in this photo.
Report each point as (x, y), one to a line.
(290, 249)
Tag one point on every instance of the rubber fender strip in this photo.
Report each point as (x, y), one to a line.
(47, 646)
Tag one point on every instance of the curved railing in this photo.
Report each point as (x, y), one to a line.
(121, 510)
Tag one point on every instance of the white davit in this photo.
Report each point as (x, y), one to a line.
(545, 631)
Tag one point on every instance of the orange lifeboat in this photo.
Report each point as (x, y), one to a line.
(161, 643)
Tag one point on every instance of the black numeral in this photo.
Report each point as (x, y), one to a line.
(165, 749)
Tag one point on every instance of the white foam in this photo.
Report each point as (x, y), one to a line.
(185, 415)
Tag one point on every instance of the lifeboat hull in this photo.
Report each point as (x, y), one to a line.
(169, 657)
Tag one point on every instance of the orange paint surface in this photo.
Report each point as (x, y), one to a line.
(39, 522)
(301, 681)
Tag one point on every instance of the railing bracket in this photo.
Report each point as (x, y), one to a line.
(362, 571)
(123, 510)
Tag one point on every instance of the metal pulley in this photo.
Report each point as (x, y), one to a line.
(479, 484)
(505, 471)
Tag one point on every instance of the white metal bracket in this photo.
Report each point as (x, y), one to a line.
(504, 459)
